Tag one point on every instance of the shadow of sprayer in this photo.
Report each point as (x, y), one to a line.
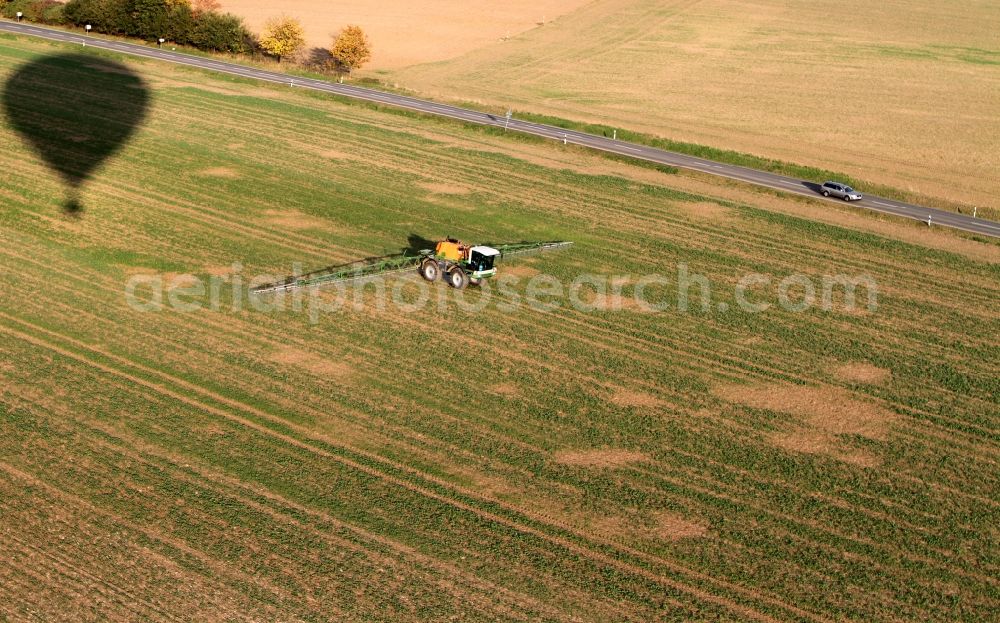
(76, 111)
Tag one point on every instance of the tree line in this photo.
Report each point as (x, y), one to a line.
(198, 24)
(284, 37)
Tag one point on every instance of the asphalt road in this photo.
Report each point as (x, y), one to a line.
(760, 178)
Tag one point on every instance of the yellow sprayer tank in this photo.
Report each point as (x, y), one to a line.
(451, 250)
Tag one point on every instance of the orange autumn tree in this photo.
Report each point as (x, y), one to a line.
(351, 48)
(283, 37)
(200, 7)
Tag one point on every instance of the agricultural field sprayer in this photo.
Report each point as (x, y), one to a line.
(459, 263)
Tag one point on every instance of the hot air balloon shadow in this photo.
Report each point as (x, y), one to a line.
(76, 111)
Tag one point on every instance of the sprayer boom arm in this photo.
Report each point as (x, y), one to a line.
(364, 269)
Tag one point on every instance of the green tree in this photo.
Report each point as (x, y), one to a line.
(283, 37)
(52, 11)
(149, 18)
(107, 16)
(41, 11)
(351, 48)
(174, 20)
(221, 33)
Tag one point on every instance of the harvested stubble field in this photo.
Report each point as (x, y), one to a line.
(403, 32)
(901, 92)
(527, 465)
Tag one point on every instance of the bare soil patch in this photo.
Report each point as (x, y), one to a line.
(521, 271)
(618, 302)
(293, 219)
(707, 211)
(630, 398)
(860, 311)
(169, 280)
(821, 415)
(218, 271)
(445, 189)
(861, 372)
(333, 154)
(489, 485)
(608, 301)
(312, 362)
(179, 280)
(599, 458)
(7, 370)
(672, 527)
(508, 390)
(223, 172)
(661, 526)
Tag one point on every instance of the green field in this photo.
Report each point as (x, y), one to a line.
(518, 464)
